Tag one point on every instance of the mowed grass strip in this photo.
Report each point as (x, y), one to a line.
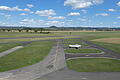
(30, 54)
(94, 65)
(75, 51)
(4, 47)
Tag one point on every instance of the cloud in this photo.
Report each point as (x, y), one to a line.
(9, 8)
(5, 15)
(69, 20)
(57, 17)
(27, 21)
(33, 22)
(118, 17)
(118, 3)
(101, 23)
(77, 4)
(6, 8)
(82, 19)
(115, 22)
(84, 11)
(111, 10)
(2, 13)
(26, 9)
(23, 14)
(30, 5)
(54, 23)
(46, 12)
(32, 12)
(2, 23)
(102, 14)
(74, 14)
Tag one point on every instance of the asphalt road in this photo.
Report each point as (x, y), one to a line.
(66, 74)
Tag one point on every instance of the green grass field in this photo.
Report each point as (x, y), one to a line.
(83, 35)
(4, 47)
(75, 51)
(94, 65)
(30, 54)
(33, 53)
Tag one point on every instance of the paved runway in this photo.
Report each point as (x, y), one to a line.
(55, 61)
(66, 74)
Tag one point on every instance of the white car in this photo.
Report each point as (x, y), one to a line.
(75, 46)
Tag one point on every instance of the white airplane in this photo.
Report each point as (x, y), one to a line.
(75, 46)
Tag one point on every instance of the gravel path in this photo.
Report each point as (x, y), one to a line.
(10, 51)
(53, 62)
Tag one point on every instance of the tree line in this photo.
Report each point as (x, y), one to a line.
(53, 28)
(24, 29)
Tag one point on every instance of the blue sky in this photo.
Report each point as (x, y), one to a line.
(61, 13)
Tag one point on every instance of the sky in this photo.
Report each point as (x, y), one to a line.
(60, 13)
